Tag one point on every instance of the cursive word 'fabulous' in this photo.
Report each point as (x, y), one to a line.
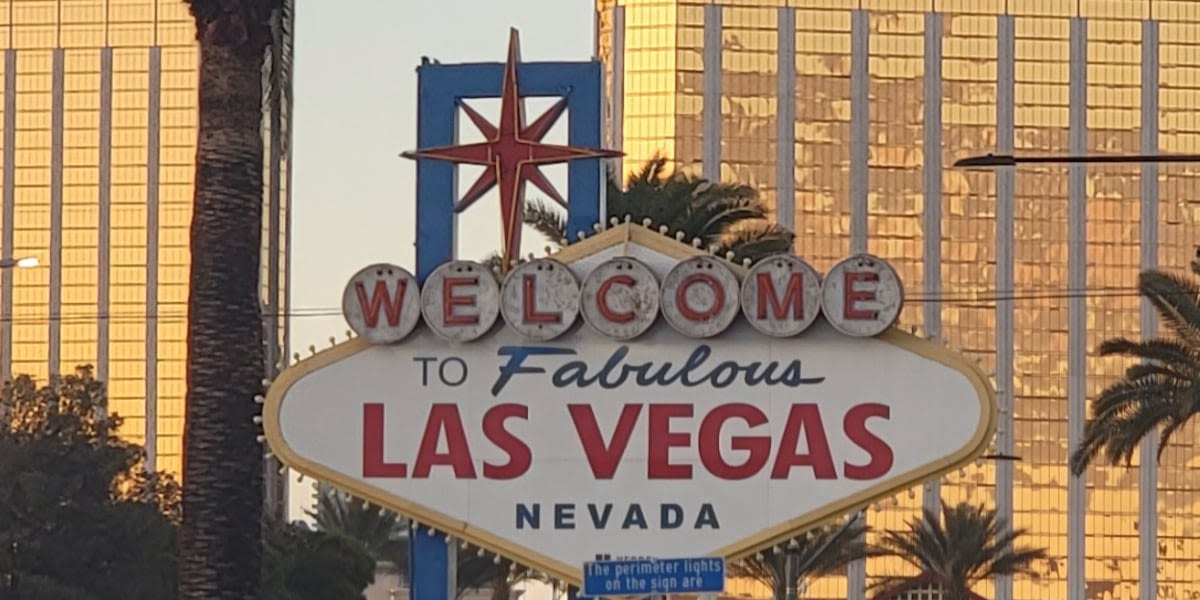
(615, 372)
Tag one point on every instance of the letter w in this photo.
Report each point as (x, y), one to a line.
(370, 308)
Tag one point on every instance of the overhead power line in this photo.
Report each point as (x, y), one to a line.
(982, 299)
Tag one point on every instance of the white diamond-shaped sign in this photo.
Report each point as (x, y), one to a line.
(551, 452)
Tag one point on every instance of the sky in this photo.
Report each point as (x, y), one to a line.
(355, 112)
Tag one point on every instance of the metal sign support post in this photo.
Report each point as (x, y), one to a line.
(441, 89)
(791, 570)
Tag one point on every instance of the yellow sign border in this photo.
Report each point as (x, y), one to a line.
(625, 234)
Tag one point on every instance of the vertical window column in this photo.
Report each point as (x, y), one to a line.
(1148, 469)
(932, 216)
(10, 199)
(785, 159)
(616, 122)
(856, 572)
(860, 22)
(154, 102)
(57, 93)
(1077, 306)
(104, 215)
(1005, 270)
(713, 73)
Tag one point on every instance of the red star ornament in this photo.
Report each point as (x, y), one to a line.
(511, 155)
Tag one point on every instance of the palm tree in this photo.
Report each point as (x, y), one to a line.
(481, 571)
(729, 216)
(223, 466)
(823, 552)
(385, 536)
(1161, 393)
(383, 532)
(969, 544)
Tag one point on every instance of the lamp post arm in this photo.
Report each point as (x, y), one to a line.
(1009, 160)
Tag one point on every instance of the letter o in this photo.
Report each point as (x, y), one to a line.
(460, 300)
(700, 297)
(619, 298)
(862, 296)
(462, 371)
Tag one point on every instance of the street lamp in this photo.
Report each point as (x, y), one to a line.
(27, 262)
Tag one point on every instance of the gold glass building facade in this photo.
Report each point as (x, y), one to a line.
(99, 118)
(846, 115)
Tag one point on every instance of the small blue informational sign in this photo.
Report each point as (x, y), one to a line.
(653, 576)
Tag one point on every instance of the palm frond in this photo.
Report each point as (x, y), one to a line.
(1162, 351)
(1144, 370)
(717, 208)
(278, 72)
(1173, 425)
(967, 544)
(548, 220)
(1019, 562)
(1161, 393)
(766, 567)
(1127, 411)
(652, 173)
(824, 553)
(756, 241)
(1177, 301)
(1130, 395)
(478, 570)
(493, 261)
(382, 532)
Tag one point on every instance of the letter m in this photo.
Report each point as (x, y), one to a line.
(380, 299)
(793, 297)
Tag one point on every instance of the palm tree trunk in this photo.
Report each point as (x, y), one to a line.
(957, 591)
(220, 547)
(501, 588)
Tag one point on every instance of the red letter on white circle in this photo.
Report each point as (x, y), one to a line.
(382, 303)
(460, 300)
(862, 296)
(619, 298)
(781, 295)
(699, 297)
(540, 299)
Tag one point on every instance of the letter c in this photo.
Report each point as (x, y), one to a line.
(607, 311)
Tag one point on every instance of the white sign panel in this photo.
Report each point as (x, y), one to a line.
(551, 445)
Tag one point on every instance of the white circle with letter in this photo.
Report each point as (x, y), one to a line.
(619, 298)
(862, 296)
(461, 300)
(540, 299)
(700, 297)
(382, 303)
(781, 295)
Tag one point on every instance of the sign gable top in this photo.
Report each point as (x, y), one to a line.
(658, 251)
